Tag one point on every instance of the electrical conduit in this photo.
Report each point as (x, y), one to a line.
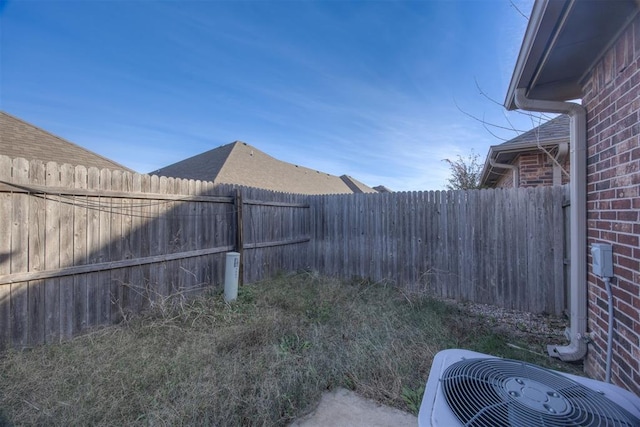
(607, 282)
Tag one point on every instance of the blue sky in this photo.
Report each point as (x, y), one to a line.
(364, 88)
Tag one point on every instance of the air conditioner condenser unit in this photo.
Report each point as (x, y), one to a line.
(466, 388)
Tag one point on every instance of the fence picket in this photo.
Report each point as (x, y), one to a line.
(162, 240)
(93, 246)
(6, 200)
(143, 213)
(19, 258)
(116, 249)
(36, 236)
(52, 256)
(103, 294)
(80, 230)
(137, 288)
(67, 176)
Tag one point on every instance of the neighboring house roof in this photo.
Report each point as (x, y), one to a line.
(551, 133)
(564, 38)
(240, 163)
(382, 189)
(355, 185)
(21, 139)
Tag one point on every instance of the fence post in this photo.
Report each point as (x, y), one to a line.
(239, 235)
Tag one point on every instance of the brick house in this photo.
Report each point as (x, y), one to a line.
(539, 157)
(591, 51)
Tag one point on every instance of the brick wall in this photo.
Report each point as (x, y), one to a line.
(612, 99)
(536, 169)
(505, 181)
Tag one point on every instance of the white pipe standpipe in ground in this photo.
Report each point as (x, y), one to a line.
(231, 271)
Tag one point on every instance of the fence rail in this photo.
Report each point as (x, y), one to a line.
(84, 247)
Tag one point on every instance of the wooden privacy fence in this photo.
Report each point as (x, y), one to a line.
(84, 247)
(275, 233)
(502, 247)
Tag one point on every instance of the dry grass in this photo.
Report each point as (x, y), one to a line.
(263, 360)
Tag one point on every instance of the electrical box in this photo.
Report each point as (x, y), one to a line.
(602, 254)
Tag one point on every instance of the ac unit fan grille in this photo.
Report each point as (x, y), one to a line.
(502, 392)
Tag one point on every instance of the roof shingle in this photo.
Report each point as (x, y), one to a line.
(21, 139)
(555, 129)
(240, 163)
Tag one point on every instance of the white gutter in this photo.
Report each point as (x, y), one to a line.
(514, 170)
(577, 348)
(543, 18)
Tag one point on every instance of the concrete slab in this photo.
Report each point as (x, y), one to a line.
(342, 407)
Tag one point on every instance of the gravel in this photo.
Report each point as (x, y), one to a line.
(519, 323)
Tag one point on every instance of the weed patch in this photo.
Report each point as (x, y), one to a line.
(262, 360)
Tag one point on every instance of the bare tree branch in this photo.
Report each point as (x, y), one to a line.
(483, 93)
(518, 10)
(484, 121)
(462, 170)
(484, 125)
(498, 103)
(506, 117)
(547, 152)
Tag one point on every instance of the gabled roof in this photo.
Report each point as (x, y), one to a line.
(21, 139)
(205, 166)
(563, 40)
(240, 163)
(551, 133)
(382, 189)
(355, 185)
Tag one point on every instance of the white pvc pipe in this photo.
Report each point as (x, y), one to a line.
(231, 271)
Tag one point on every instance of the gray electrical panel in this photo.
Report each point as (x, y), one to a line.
(602, 254)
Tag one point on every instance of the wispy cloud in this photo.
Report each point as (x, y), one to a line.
(359, 88)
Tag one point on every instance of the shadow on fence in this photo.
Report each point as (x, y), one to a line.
(83, 248)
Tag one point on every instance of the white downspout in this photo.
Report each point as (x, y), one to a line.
(514, 170)
(561, 155)
(577, 348)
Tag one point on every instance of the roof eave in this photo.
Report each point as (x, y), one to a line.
(526, 145)
(562, 43)
(543, 19)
